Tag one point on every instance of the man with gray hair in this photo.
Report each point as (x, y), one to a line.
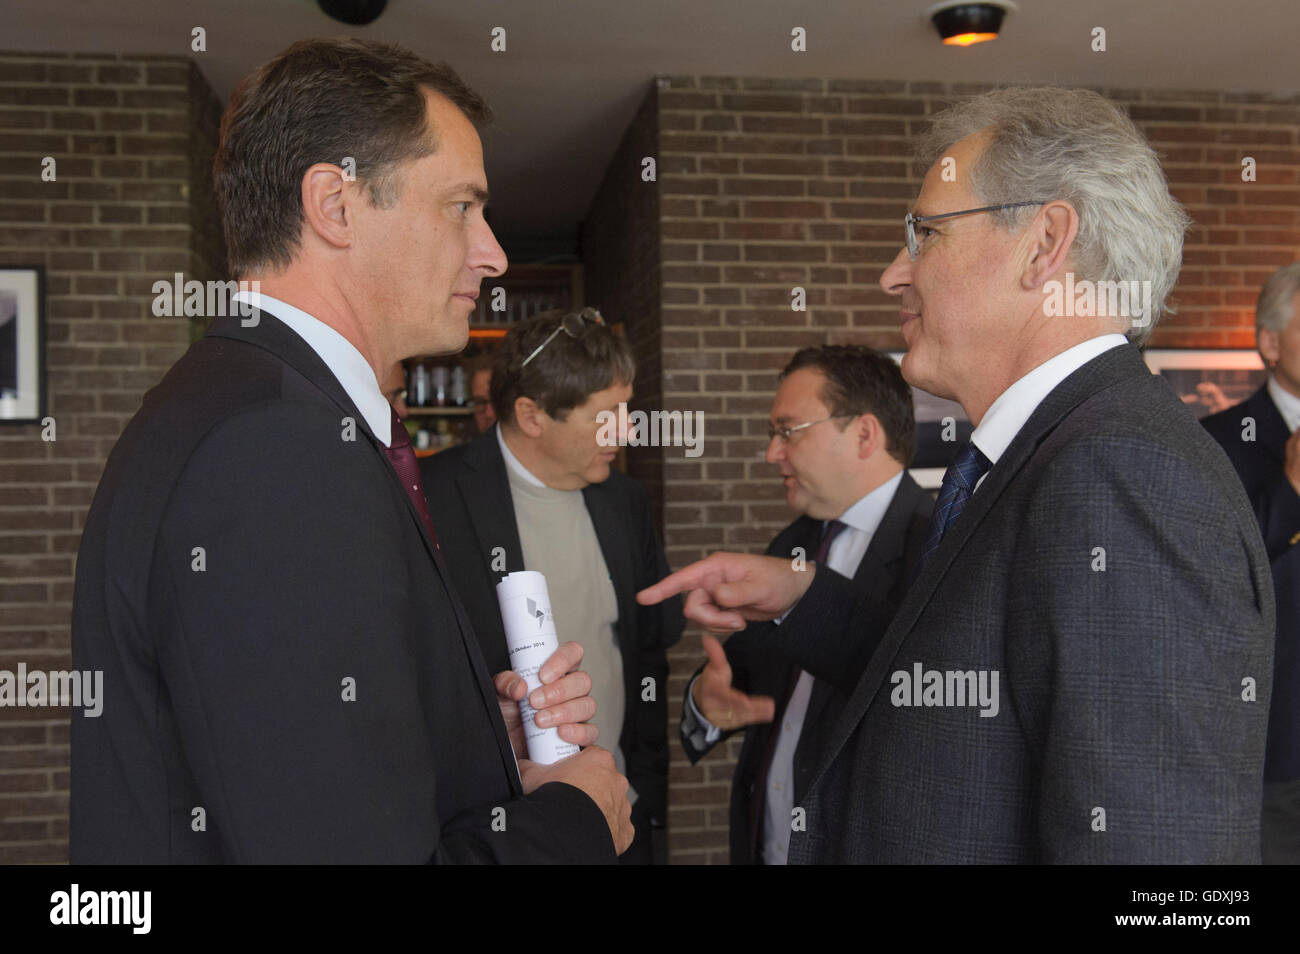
(1080, 671)
(1262, 439)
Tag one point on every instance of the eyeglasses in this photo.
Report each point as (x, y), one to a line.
(910, 222)
(785, 433)
(574, 324)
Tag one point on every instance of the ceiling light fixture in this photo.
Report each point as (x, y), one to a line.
(961, 23)
(353, 12)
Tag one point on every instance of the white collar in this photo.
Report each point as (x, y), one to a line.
(866, 514)
(1014, 406)
(1288, 405)
(345, 362)
(514, 463)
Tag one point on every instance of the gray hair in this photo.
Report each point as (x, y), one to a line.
(1274, 309)
(1073, 144)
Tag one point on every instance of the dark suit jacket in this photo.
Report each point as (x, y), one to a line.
(1122, 734)
(756, 668)
(289, 676)
(1259, 463)
(473, 512)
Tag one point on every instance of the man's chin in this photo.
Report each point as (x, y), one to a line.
(453, 335)
(598, 472)
(919, 375)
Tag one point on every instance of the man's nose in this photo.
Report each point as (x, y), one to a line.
(775, 449)
(487, 255)
(898, 275)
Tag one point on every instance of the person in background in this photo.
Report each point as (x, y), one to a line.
(1261, 437)
(842, 433)
(394, 388)
(538, 492)
(480, 396)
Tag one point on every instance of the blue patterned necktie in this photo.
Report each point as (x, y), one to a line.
(959, 482)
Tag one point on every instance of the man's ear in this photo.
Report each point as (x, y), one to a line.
(528, 416)
(1269, 344)
(326, 200)
(1052, 233)
(871, 436)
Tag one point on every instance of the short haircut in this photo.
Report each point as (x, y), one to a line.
(564, 373)
(1275, 308)
(1073, 144)
(861, 380)
(322, 100)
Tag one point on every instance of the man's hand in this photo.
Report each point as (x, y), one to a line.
(591, 770)
(723, 706)
(727, 590)
(1293, 459)
(562, 700)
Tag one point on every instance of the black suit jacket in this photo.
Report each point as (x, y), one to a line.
(760, 667)
(473, 512)
(288, 674)
(1132, 700)
(1259, 463)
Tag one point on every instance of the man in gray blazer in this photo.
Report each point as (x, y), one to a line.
(1081, 670)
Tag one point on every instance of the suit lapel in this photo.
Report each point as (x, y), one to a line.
(1103, 371)
(878, 569)
(1271, 433)
(274, 336)
(485, 487)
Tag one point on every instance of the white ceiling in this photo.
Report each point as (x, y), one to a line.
(575, 70)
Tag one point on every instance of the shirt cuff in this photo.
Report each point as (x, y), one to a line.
(700, 730)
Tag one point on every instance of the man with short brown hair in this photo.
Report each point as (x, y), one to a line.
(289, 674)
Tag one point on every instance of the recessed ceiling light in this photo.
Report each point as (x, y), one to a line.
(962, 23)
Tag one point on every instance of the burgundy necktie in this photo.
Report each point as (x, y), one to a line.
(402, 458)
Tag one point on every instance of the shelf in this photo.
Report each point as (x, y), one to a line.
(451, 411)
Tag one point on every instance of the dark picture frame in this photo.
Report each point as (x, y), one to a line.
(23, 398)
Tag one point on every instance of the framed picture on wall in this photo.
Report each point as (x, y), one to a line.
(1209, 381)
(22, 344)
(941, 428)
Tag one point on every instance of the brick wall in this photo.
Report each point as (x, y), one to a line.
(769, 184)
(620, 249)
(133, 139)
(762, 185)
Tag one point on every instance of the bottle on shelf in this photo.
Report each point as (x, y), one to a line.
(419, 390)
(459, 391)
(438, 386)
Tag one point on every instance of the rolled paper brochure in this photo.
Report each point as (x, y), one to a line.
(530, 641)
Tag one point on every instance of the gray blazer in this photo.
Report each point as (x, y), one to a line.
(1121, 734)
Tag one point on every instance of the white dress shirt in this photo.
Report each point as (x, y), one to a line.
(1288, 405)
(345, 362)
(1014, 406)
